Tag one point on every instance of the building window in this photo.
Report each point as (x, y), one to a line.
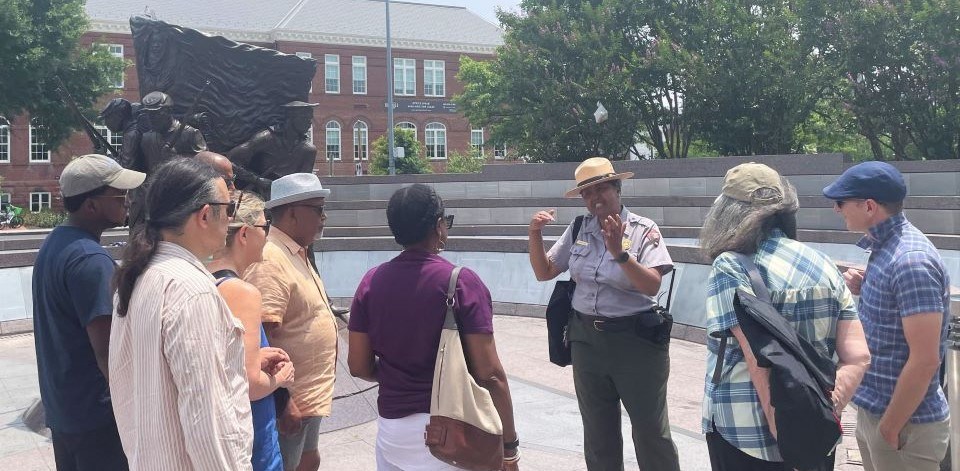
(433, 78)
(38, 144)
(307, 55)
(476, 140)
(4, 143)
(117, 51)
(309, 135)
(500, 151)
(114, 138)
(410, 126)
(331, 73)
(360, 141)
(359, 75)
(4, 198)
(39, 201)
(405, 77)
(436, 140)
(333, 140)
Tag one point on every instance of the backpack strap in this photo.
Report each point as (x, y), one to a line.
(759, 290)
(576, 228)
(450, 321)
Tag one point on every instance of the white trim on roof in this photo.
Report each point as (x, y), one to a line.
(123, 27)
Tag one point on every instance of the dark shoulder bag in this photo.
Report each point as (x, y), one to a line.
(559, 310)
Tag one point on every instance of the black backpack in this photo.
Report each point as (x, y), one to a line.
(801, 378)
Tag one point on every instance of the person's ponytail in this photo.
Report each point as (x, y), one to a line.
(136, 256)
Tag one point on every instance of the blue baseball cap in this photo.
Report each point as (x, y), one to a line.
(878, 181)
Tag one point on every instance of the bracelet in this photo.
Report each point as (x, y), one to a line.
(512, 445)
(512, 459)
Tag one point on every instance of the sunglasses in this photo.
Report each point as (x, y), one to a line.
(318, 209)
(231, 207)
(449, 220)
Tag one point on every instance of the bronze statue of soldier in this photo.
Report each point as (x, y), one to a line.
(167, 138)
(279, 150)
(120, 118)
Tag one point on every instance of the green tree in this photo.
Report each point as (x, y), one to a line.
(39, 39)
(465, 162)
(901, 62)
(412, 162)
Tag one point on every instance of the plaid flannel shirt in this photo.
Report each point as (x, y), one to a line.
(905, 276)
(808, 289)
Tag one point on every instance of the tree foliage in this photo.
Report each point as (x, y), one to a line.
(39, 39)
(901, 65)
(465, 162)
(738, 78)
(413, 161)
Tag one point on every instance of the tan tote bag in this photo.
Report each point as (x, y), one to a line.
(465, 429)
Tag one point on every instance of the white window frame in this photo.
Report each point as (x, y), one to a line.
(405, 74)
(6, 198)
(331, 73)
(43, 155)
(114, 138)
(117, 51)
(477, 146)
(359, 74)
(361, 141)
(328, 128)
(499, 151)
(4, 143)
(434, 78)
(306, 55)
(38, 197)
(410, 126)
(435, 138)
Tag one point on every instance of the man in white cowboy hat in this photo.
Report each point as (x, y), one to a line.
(297, 315)
(619, 342)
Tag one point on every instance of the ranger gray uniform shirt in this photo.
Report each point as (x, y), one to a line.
(603, 289)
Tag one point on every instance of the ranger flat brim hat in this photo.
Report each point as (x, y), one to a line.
(594, 171)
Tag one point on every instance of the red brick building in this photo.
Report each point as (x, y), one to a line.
(345, 37)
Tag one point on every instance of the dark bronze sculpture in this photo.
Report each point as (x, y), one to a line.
(119, 117)
(167, 138)
(280, 149)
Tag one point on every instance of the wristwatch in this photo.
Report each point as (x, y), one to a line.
(622, 258)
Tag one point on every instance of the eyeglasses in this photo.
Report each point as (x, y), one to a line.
(449, 220)
(231, 207)
(265, 227)
(317, 208)
(124, 196)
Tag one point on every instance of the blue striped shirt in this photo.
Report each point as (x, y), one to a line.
(905, 276)
(806, 287)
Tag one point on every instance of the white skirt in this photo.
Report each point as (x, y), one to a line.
(400, 445)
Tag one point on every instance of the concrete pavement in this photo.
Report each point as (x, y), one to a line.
(548, 419)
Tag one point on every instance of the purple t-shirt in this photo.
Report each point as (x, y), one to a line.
(401, 305)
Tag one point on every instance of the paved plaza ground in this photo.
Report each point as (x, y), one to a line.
(548, 420)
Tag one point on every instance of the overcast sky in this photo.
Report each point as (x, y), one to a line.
(484, 8)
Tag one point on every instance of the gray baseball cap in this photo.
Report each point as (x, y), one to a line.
(92, 171)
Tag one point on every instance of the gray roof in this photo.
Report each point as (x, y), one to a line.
(412, 24)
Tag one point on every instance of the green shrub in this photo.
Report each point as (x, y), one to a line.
(413, 161)
(465, 162)
(45, 219)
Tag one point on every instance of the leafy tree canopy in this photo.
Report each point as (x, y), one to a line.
(412, 162)
(39, 39)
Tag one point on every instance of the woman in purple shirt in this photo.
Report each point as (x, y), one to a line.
(395, 323)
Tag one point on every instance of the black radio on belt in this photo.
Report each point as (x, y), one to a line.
(662, 321)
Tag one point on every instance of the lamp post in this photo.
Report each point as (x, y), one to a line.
(390, 141)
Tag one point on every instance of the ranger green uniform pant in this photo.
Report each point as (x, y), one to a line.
(614, 367)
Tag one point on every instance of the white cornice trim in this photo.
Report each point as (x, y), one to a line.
(123, 27)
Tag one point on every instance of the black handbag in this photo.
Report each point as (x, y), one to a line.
(559, 310)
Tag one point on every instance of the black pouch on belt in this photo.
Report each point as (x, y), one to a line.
(661, 331)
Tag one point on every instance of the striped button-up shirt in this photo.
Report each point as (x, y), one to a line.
(905, 276)
(176, 371)
(806, 287)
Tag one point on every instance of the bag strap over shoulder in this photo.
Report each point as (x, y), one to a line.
(759, 290)
(450, 321)
(576, 228)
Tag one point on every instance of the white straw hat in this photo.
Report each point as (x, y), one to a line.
(295, 187)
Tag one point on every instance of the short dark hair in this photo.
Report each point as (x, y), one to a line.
(412, 212)
(73, 203)
(892, 207)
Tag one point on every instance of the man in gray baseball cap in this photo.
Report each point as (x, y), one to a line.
(72, 308)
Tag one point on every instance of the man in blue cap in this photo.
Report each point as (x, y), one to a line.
(903, 418)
